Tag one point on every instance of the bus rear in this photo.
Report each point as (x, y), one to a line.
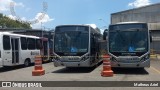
(129, 45)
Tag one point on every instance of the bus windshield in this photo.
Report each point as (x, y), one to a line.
(71, 41)
(128, 39)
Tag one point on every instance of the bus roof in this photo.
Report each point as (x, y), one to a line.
(18, 35)
(136, 22)
(89, 25)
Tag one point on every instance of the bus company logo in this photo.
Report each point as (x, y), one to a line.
(43, 13)
(6, 84)
(34, 53)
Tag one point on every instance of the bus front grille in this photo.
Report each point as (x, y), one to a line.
(70, 58)
(128, 60)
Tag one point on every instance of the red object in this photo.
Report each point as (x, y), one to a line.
(44, 39)
(38, 69)
(107, 71)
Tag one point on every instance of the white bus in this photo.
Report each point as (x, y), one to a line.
(16, 49)
(129, 45)
(77, 45)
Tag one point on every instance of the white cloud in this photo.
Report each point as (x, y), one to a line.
(139, 3)
(5, 5)
(42, 18)
(19, 4)
(23, 19)
(14, 17)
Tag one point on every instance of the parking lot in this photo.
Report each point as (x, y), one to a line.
(19, 73)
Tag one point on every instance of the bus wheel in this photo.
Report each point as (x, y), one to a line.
(26, 62)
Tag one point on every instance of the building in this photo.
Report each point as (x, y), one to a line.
(149, 14)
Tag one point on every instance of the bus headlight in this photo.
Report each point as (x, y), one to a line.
(113, 59)
(56, 58)
(145, 57)
(85, 58)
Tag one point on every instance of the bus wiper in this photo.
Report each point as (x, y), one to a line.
(134, 29)
(118, 31)
(131, 41)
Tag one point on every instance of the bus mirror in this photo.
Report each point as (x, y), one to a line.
(105, 34)
(150, 36)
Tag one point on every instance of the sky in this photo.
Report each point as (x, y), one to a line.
(50, 13)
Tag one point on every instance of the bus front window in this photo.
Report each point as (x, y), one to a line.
(71, 42)
(128, 39)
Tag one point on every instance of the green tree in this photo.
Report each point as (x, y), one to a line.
(6, 22)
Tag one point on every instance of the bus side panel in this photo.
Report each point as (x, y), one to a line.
(32, 54)
(7, 54)
(28, 54)
(24, 54)
(7, 58)
(1, 65)
(1, 62)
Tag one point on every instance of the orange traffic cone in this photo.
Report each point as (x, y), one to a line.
(107, 72)
(38, 69)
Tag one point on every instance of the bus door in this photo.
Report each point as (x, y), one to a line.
(45, 51)
(15, 50)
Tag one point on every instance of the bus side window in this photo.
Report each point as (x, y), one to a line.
(6, 42)
(105, 34)
(38, 44)
(23, 43)
(93, 45)
(31, 44)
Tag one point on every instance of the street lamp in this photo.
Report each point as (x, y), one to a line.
(102, 20)
(104, 27)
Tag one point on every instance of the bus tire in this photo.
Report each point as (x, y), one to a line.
(27, 62)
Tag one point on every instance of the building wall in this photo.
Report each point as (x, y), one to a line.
(149, 14)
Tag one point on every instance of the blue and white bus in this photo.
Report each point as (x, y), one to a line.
(76, 45)
(129, 45)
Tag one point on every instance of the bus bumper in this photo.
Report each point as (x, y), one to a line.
(85, 63)
(131, 65)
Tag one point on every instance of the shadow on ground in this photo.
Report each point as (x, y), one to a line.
(77, 69)
(11, 68)
(130, 71)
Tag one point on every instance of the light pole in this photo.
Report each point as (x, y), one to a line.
(43, 29)
(104, 27)
(102, 20)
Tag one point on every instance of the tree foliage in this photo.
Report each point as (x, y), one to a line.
(6, 22)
